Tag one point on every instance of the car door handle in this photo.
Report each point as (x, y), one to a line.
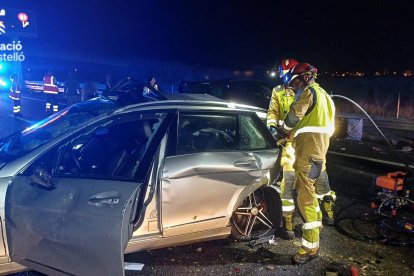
(105, 199)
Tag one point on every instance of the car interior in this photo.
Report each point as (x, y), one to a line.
(114, 151)
(206, 133)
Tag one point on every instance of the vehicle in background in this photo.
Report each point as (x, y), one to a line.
(250, 92)
(37, 86)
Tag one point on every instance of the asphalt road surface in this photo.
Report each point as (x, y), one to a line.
(338, 253)
(227, 257)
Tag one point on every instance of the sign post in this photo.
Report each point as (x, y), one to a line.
(14, 24)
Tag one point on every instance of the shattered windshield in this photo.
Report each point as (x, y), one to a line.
(22, 142)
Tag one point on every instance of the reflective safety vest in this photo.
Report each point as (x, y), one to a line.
(320, 117)
(279, 106)
(14, 92)
(49, 85)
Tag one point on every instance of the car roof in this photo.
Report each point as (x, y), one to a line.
(190, 104)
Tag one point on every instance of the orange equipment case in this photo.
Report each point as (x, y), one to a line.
(390, 181)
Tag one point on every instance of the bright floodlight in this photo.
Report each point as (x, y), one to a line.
(3, 83)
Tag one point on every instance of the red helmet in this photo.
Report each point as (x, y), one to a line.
(285, 65)
(300, 70)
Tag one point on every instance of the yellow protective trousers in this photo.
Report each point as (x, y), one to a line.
(311, 149)
(288, 180)
(287, 185)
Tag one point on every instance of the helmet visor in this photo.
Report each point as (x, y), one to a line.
(282, 72)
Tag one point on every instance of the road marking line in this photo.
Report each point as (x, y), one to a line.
(33, 99)
(22, 119)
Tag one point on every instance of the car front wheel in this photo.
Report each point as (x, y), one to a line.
(259, 213)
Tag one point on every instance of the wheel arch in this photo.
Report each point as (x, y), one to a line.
(273, 191)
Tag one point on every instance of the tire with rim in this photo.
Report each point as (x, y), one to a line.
(259, 213)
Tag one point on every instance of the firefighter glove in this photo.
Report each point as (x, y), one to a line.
(277, 133)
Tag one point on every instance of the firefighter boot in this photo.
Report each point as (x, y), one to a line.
(305, 255)
(327, 207)
(288, 227)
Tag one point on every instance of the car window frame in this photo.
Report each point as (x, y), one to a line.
(202, 112)
(261, 127)
(173, 132)
(59, 145)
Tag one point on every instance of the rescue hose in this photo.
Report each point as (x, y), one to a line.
(402, 160)
(389, 229)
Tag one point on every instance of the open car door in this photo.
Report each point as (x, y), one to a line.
(79, 219)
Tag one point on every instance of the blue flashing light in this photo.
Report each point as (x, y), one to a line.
(3, 83)
(3, 67)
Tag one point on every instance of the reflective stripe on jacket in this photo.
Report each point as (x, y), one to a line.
(14, 92)
(315, 110)
(49, 85)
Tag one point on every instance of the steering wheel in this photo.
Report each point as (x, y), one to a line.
(217, 135)
(221, 133)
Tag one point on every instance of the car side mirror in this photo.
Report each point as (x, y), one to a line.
(42, 179)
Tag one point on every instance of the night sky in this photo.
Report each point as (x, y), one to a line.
(352, 35)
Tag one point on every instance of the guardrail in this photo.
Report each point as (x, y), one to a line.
(383, 123)
(37, 86)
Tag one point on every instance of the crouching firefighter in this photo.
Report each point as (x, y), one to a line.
(282, 98)
(311, 123)
(14, 94)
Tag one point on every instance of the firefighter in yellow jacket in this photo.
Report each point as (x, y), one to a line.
(282, 98)
(311, 123)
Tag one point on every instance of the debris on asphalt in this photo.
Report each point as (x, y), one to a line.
(263, 240)
(338, 268)
(354, 271)
(236, 270)
(270, 267)
(199, 250)
(133, 266)
(296, 243)
(265, 253)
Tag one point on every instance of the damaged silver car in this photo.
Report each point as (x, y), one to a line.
(94, 181)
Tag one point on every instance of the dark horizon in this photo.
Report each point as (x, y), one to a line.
(350, 36)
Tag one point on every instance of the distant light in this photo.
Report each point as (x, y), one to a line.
(273, 74)
(248, 73)
(3, 66)
(3, 83)
(23, 17)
